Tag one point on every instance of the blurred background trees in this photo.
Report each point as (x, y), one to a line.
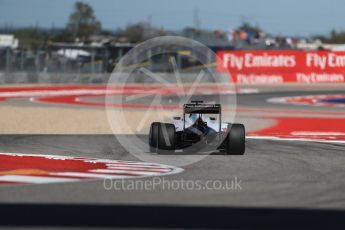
(83, 22)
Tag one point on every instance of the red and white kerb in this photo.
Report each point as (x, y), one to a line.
(18, 168)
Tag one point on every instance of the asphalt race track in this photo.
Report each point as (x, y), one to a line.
(300, 168)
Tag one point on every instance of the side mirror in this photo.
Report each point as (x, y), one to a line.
(177, 118)
(213, 118)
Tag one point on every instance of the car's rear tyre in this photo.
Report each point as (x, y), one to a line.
(235, 140)
(153, 137)
(166, 138)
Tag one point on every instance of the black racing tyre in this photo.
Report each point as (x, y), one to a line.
(166, 138)
(153, 136)
(235, 141)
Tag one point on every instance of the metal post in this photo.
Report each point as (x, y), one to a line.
(93, 61)
(22, 60)
(8, 60)
(119, 53)
(184, 125)
(220, 124)
(64, 61)
(37, 61)
(149, 57)
(179, 61)
(106, 63)
(209, 59)
(79, 65)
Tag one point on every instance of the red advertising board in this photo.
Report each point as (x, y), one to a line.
(279, 66)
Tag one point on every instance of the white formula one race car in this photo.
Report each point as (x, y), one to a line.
(198, 128)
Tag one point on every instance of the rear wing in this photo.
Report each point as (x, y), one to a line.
(202, 108)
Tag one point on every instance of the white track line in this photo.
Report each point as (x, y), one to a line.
(34, 179)
(120, 164)
(90, 175)
(124, 172)
(273, 138)
(142, 169)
